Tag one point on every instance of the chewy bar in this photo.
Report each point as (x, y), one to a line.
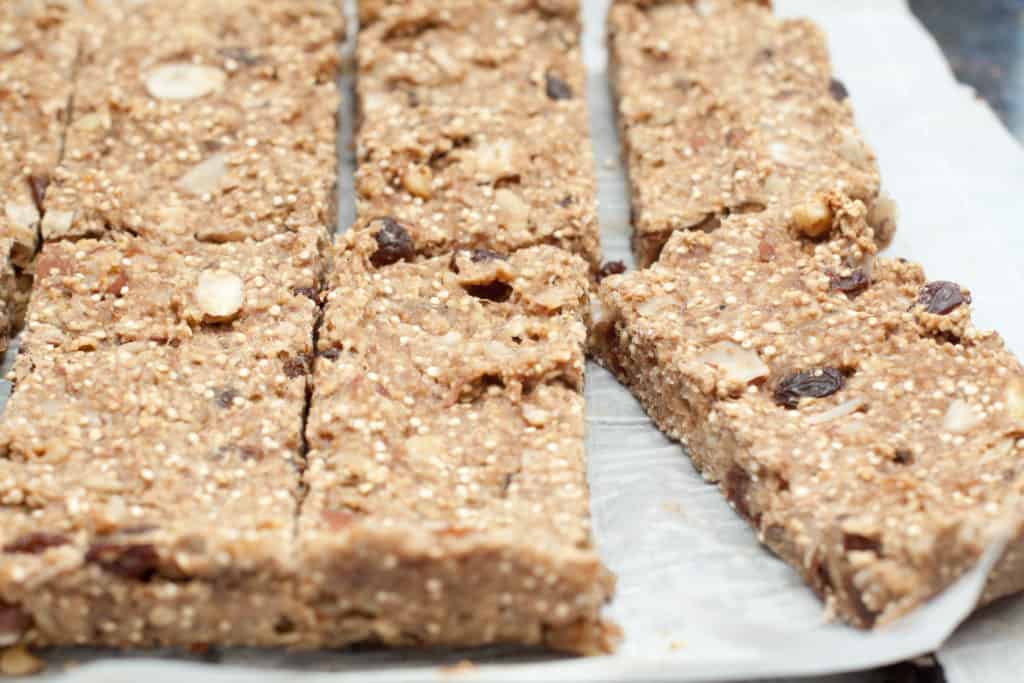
(474, 128)
(516, 55)
(448, 502)
(38, 48)
(725, 109)
(93, 294)
(846, 406)
(150, 455)
(206, 120)
(480, 179)
(149, 494)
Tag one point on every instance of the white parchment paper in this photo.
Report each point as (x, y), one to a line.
(698, 598)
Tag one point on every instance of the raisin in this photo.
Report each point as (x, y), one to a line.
(941, 298)
(484, 255)
(225, 396)
(496, 291)
(241, 55)
(34, 544)
(309, 292)
(852, 285)
(611, 268)
(566, 201)
(13, 622)
(556, 88)
(857, 542)
(394, 243)
(297, 366)
(135, 562)
(330, 354)
(284, 626)
(38, 185)
(838, 90)
(903, 456)
(817, 383)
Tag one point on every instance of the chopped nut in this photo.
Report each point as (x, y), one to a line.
(184, 81)
(18, 661)
(738, 364)
(1015, 400)
(813, 218)
(961, 417)
(23, 216)
(513, 213)
(205, 177)
(497, 160)
(417, 180)
(219, 294)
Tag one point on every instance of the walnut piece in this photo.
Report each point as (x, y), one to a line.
(813, 218)
(219, 295)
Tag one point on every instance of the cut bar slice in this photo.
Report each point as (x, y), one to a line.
(38, 47)
(725, 109)
(93, 294)
(148, 498)
(847, 408)
(448, 501)
(518, 56)
(213, 120)
(478, 179)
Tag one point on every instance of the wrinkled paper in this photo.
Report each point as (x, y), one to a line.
(698, 598)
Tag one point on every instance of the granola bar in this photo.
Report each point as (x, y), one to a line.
(476, 178)
(208, 120)
(148, 498)
(516, 55)
(448, 502)
(846, 406)
(725, 109)
(38, 47)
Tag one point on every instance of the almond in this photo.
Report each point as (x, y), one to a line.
(205, 177)
(184, 81)
(219, 295)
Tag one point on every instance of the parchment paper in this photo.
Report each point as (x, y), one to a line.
(698, 598)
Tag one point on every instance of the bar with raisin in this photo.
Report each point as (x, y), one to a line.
(522, 56)
(846, 406)
(474, 127)
(724, 109)
(207, 120)
(38, 48)
(448, 502)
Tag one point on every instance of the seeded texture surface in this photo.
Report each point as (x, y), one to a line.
(446, 464)
(38, 47)
(725, 109)
(871, 439)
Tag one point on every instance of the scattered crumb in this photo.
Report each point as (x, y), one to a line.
(672, 506)
(611, 162)
(462, 667)
(18, 661)
(676, 645)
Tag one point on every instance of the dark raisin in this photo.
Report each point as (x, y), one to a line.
(611, 268)
(941, 298)
(296, 366)
(484, 255)
(330, 354)
(309, 292)
(225, 396)
(853, 285)
(566, 201)
(556, 88)
(13, 622)
(838, 90)
(34, 544)
(241, 55)
(903, 456)
(496, 291)
(135, 562)
(394, 243)
(857, 542)
(38, 185)
(284, 625)
(817, 383)
(737, 491)
(765, 54)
